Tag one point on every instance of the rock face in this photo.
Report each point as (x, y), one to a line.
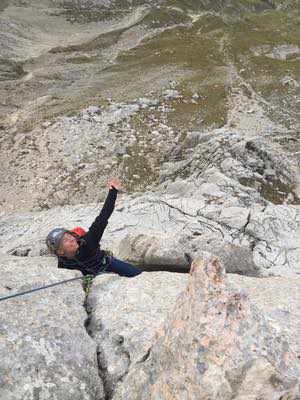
(215, 345)
(124, 316)
(10, 70)
(44, 348)
(278, 299)
(167, 228)
(194, 106)
(201, 327)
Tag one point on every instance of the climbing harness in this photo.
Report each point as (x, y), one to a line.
(87, 279)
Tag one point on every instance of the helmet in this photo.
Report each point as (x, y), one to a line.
(53, 239)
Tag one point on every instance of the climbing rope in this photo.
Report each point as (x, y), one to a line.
(87, 280)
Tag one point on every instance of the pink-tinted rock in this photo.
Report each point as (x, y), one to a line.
(215, 345)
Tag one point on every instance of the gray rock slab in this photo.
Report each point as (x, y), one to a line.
(276, 230)
(125, 314)
(159, 228)
(236, 217)
(278, 298)
(45, 350)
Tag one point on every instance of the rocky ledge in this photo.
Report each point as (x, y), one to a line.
(206, 334)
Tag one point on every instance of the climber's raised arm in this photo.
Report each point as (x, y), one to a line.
(97, 228)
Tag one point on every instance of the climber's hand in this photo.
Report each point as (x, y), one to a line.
(114, 182)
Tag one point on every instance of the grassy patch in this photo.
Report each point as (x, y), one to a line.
(274, 191)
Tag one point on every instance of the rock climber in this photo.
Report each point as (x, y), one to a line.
(82, 252)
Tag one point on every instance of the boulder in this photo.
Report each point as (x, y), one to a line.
(215, 344)
(151, 250)
(236, 259)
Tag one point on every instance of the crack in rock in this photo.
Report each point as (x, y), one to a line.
(108, 381)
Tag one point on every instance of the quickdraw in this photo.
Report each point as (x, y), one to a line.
(87, 283)
(88, 279)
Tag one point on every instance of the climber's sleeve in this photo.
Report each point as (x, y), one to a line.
(95, 232)
(67, 265)
(71, 264)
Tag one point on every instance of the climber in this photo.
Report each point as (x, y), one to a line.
(75, 250)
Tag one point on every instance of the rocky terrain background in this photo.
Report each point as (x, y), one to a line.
(194, 105)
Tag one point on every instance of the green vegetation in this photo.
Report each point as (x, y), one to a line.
(274, 191)
(250, 36)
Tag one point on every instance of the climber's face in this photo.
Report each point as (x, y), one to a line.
(68, 246)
